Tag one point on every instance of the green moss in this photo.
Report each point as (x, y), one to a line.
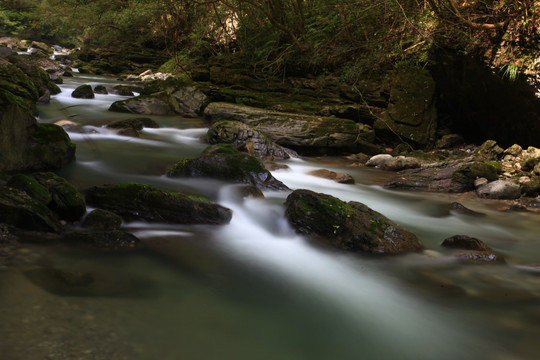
(495, 164)
(179, 168)
(30, 186)
(51, 133)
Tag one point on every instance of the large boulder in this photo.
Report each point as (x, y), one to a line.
(411, 113)
(349, 226)
(26, 145)
(224, 162)
(245, 138)
(19, 209)
(134, 201)
(306, 133)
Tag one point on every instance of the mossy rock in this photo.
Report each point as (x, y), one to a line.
(224, 162)
(488, 151)
(531, 188)
(101, 89)
(83, 92)
(19, 209)
(134, 201)
(51, 148)
(102, 220)
(30, 186)
(15, 81)
(463, 178)
(67, 202)
(350, 226)
(168, 85)
(122, 90)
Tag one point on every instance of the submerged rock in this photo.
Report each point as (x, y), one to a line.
(133, 123)
(134, 201)
(349, 226)
(105, 239)
(340, 178)
(227, 163)
(471, 250)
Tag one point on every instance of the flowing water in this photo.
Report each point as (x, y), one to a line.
(253, 289)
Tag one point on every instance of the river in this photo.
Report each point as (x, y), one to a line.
(253, 289)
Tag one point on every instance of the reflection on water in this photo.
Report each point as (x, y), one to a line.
(254, 289)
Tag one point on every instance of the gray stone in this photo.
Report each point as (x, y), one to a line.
(499, 189)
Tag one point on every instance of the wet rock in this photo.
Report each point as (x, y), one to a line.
(391, 163)
(488, 151)
(83, 92)
(464, 242)
(133, 123)
(471, 250)
(100, 89)
(32, 187)
(227, 163)
(245, 138)
(18, 209)
(499, 189)
(458, 208)
(67, 202)
(121, 90)
(350, 226)
(341, 178)
(102, 220)
(45, 98)
(134, 201)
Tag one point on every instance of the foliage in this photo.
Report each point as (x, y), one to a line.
(354, 38)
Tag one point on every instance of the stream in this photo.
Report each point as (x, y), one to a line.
(253, 289)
